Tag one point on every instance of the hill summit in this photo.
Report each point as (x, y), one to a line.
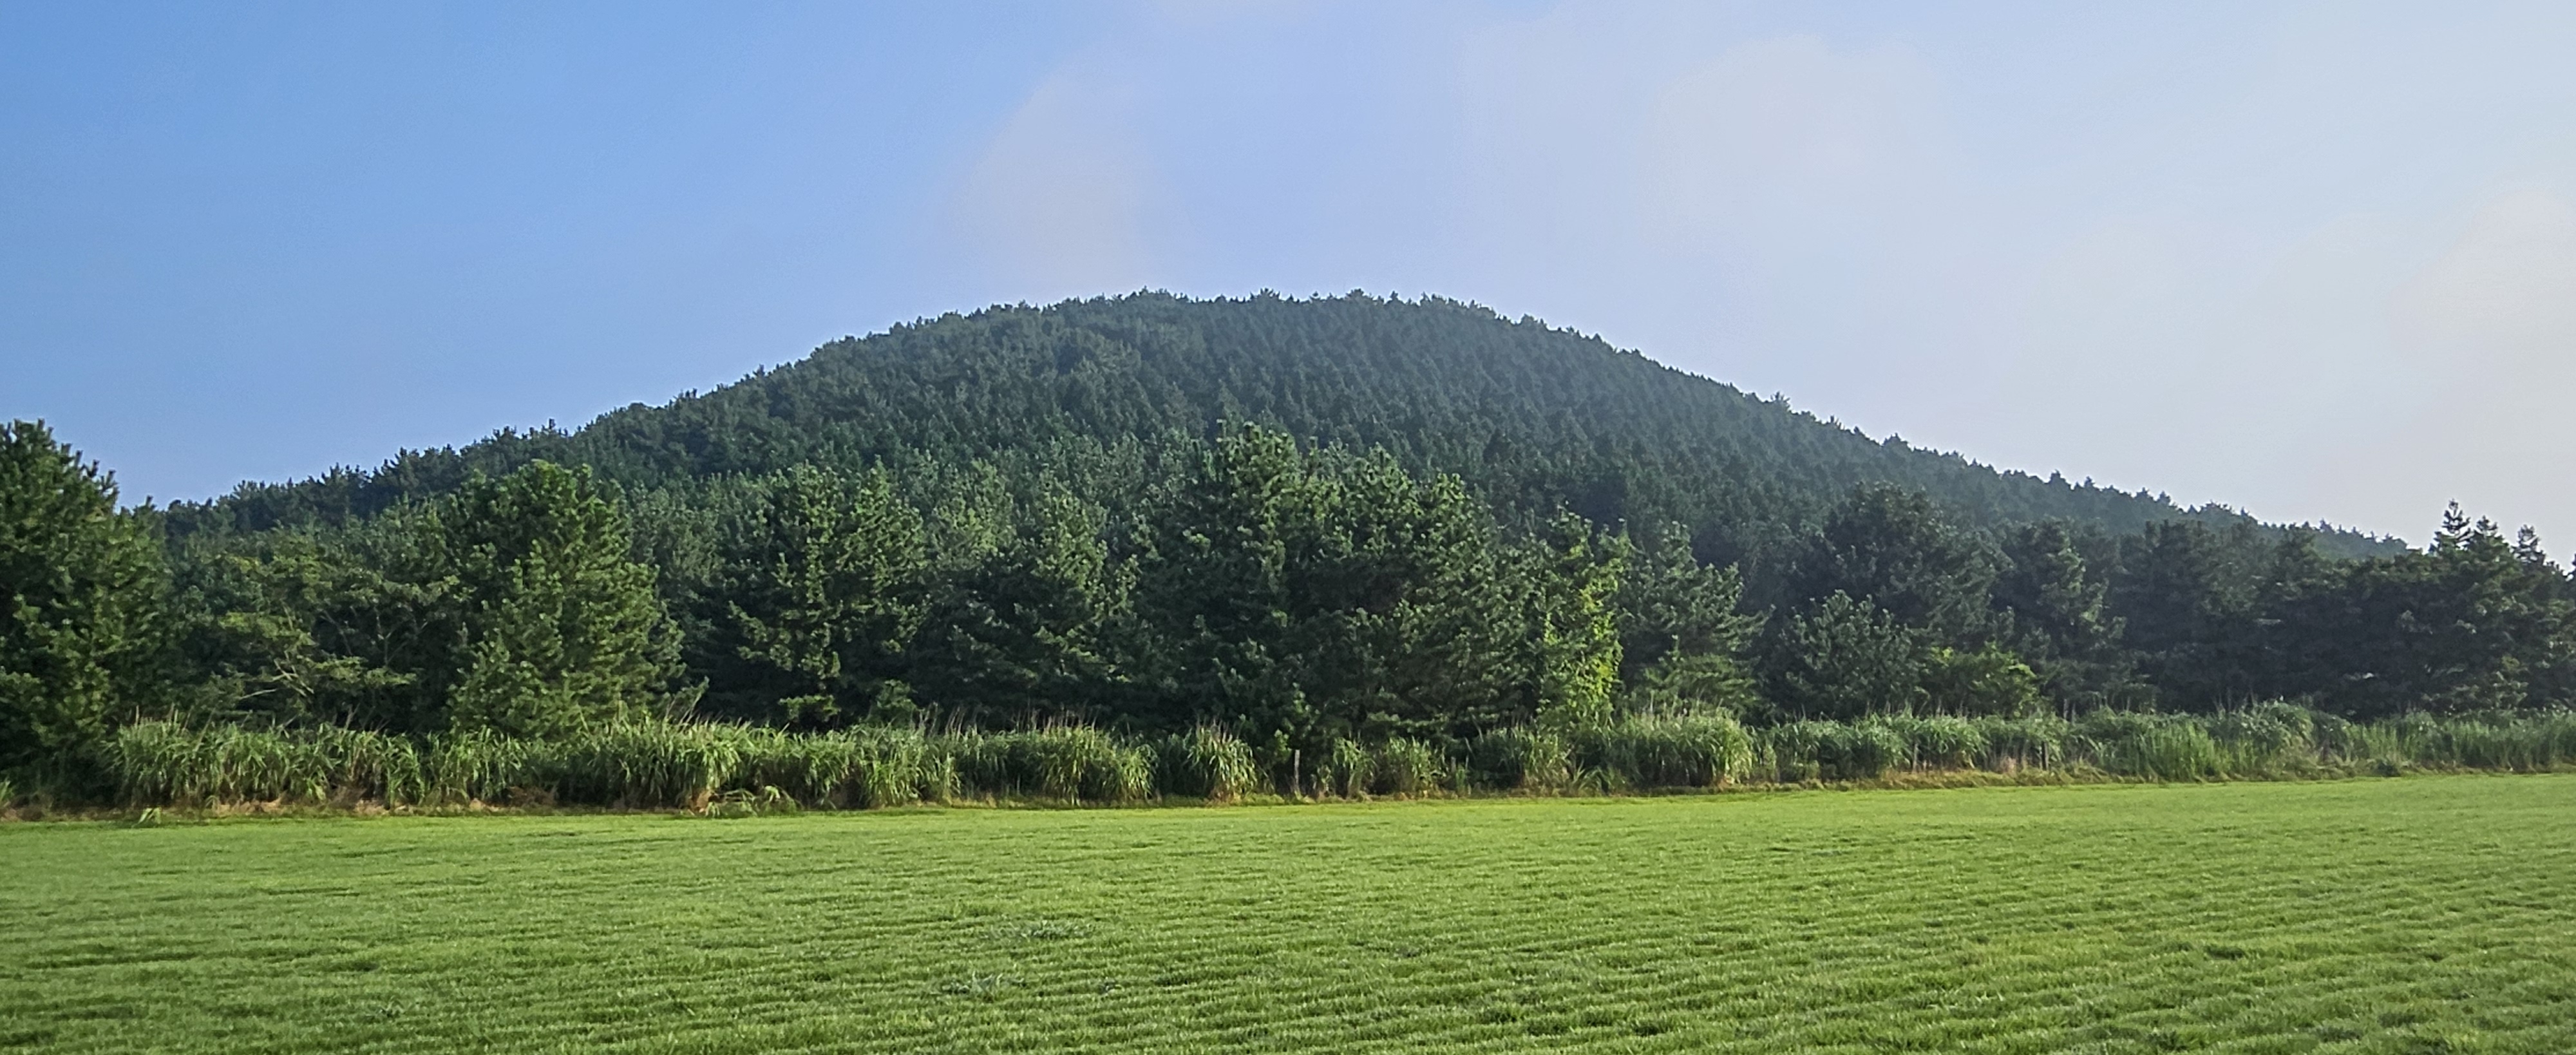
(1531, 416)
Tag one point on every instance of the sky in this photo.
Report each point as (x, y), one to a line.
(2314, 261)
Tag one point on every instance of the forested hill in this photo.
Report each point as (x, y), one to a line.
(1531, 416)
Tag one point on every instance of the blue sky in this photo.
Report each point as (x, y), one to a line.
(2316, 261)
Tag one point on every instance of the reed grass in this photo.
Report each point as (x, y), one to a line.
(1407, 768)
(668, 765)
(1645, 752)
(1521, 760)
(1207, 763)
(1071, 763)
(1347, 771)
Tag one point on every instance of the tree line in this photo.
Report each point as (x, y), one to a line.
(1295, 595)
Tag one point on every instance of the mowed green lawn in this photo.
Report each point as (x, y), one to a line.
(2419, 914)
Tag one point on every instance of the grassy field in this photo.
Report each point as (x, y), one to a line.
(2420, 914)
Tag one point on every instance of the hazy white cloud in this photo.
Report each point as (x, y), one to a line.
(1062, 200)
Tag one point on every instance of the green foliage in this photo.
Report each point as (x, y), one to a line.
(160, 763)
(1407, 767)
(2157, 747)
(687, 766)
(1694, 751)
(81, 603)
(1818, 750)
(1973, 683)
(1521, 759)
(1321, 595)
(1208, 763)
(1941, 742)
(826, 584)
(1575, 649)
(2014, 744)
(1891, 549)
(1347, 771)
(1848, 658)
(1323, 526)
(1675, 612)
(1072, 763)
(564, 631)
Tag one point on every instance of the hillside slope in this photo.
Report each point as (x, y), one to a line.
(1531, 415)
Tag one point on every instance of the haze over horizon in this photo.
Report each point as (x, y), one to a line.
(2313, 261)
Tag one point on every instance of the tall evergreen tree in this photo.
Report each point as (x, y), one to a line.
(1847, 658)
(564, 629)
(1893, 549)
(825, 592)
(82, 587)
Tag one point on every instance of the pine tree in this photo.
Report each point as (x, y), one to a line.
(563, 629)
(82, 586)
(826, 593)
(1847, 659)
(1575, 624)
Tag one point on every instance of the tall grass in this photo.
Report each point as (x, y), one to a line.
(2157, 747)
(1347, 770)
(1521, 760)
(1939, 742)
(168, 764)
(668, 765)
(2014, 744)
(646, 764)
(1803, 751)
(1207, 763)
(1407, 767)
(1072, 762)
(1666, 752)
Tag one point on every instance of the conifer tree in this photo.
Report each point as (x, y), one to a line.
(562, 629)
(827, 593)
(82, 585)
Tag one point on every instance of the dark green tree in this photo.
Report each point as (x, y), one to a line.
(2473, 622)
(348, 627)
(2055, 590)
(1847, 658)
(82, 589)
(1978, 682)
(1893, 549)
(1681, 635)
(562, 629)
(825, 590)
(1022, 619)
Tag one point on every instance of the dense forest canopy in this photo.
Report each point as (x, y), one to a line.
(1306, 522)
